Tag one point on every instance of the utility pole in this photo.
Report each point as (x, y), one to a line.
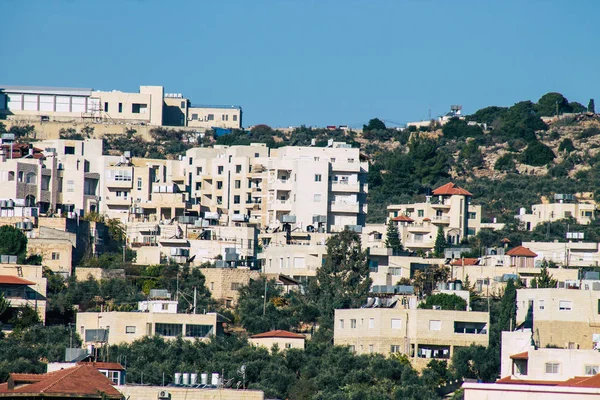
(265, 298)
(195, 290)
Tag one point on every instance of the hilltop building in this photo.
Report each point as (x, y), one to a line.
(564, 206)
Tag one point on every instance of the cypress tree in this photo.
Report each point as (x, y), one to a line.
(392, 240)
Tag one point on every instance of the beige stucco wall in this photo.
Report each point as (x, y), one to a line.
(143, 323)
(83, 274)
(181, 393)
(282, 343)
(223, 282)
(62, 249)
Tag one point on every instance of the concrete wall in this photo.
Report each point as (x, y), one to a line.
(57, 254)
(224, 283)
(181, 393)
(83, 274)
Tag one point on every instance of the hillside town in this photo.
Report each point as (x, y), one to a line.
(229, 259)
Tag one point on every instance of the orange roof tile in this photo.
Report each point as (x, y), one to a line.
(520, 356)
(14, 280)
(578, 381)
(277, 334)
(402, 218)
(104, 365)
(467, 261)
(450, 189)
(81, 381)
(521, 251)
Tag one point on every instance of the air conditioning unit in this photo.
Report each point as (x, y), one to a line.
(163, 394)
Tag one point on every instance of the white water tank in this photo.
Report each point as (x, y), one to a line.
(193, 379)
(214, 380)
(177, 380)
(204, 379)
(186, 378)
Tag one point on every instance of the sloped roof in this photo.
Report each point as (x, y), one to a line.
(278, 334)
(521, 251)
(450, 189)
(14, 280)
(578, 381)
(104, 365)
(520, 356)
(80, 381)
(467, 261)
(402, 218)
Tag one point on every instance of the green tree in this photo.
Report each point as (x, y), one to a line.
(544, 280)
(392, 237)
(25, 317)
(537, 154)
(576, 107)
(374, 125)
(566, 145)
(343, 281)
(505, 163)
(475, 362)
(470, 155)
(440, 243)
(591, 108)
(12, 241)
(458, 128)
(445, 302)
(552, 102)
(508, 308)
(4, 304)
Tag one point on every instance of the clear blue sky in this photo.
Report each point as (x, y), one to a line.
(312, 62)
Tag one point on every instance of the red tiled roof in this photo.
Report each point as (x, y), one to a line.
(521, 251)
(80, 381)
(402, 218)
(578, 381)
(426, 219)
(14, 280)
(277, 334)
(467, 261)
(520, 356)
(104, 365)
(451, 189)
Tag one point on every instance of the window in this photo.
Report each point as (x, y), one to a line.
(219, 199)
(352, 348)
(341, 324)
(541, 304)
(395, 348)
(235, 286)
(194, 117)
(238, 169)
(70, 186)
(288, 345)
(139, 183)
(568, 214)
(592, 369)
(183, 104)
(371, 349)
(351, 160)
(435, 325)
(11, 176)
(332, 159)
(165, 306)
(220, 170)
(210, 117)
(395, 271)
(69, 149)
(552, 368)
(198, 170)
(236, 199)
(30, 178)
(235, 117)
(224, 117)
(120, 107)
(352, 323)
(55, 256)
(371, 323)
(168, 329)
(130, 329)
(219, 185)
(105, 106)
(237, 184)
(565, 305)
(420, 213)
(396, 323)
(198, 185)
(21, 176)
(138, 108)
(317, 197)
(472, 215)
(198, 330)
(317, 177)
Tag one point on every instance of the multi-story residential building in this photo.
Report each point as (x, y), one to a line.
(564, 206)
(23, 286)
(449, 207)
(150, 106)
(396, 325)
(563, 317)
(161, 318)
(568, 254)
(532, 372)
(282, 339)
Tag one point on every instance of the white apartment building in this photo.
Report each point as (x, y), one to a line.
(150, 106)
(564, 206)
(449, 207)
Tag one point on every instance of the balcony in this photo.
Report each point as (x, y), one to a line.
(444, 204)
(419, 244)
(425, 227)
(345, 186)
(122, 184)
(282, 205)
(346, 166)
(117, 201)
(344, 207)
(282, 184)
(441, 220)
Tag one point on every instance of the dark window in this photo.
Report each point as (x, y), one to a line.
(106, 106)
(168, 329)
(183, 104)
(120, 107)
(69, 149)
(211, 117)
(197, 330)
(236, 199)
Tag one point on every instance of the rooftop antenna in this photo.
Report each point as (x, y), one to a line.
(429, 114)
